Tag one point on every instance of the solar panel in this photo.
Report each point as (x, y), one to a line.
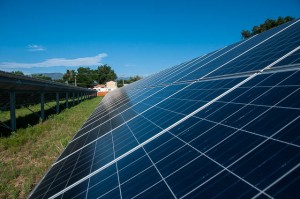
(225, 124)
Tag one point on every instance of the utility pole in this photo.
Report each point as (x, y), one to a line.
(75, 81)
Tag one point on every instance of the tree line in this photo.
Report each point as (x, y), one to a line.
(87, 77)
(123, 81)
(269, 23)
(36, 76)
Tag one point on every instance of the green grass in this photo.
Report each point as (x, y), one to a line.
(21, 112)
(26, 155)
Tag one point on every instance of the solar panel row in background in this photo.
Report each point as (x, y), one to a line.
(223, 124)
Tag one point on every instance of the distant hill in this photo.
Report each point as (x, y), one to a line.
(54, 76)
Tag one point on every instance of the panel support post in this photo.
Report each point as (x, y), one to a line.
(73, 98)
(43, 106)
(67, 100)
(12, 96)
(57, 103)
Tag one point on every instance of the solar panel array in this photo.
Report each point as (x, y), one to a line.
(225, 124)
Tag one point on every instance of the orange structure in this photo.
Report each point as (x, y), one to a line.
(101, 94)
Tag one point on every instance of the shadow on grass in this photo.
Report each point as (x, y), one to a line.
(30, 120)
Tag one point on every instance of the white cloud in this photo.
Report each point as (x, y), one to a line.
(83, 61)
(34, 47)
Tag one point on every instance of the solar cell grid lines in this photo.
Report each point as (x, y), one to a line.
(225, 124)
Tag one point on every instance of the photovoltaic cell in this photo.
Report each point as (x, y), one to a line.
(224, 125)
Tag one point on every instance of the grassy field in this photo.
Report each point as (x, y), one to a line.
(23, 111)
(26, 117)
(26, 155)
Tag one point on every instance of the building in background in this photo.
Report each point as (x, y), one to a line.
(111, 85)
(103, 89)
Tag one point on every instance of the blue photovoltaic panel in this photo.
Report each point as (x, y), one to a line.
(224, 125)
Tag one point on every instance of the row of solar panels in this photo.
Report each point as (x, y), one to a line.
(223, 124)
(22, 84)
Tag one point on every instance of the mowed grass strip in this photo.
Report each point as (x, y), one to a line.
(25, 156)
(21, 112)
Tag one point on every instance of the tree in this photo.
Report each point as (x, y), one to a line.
(105, 74)
(69, 76)
(134, 79)
(17, 72)
(129, 80)
(86, 77)
(41, 76)
(269, 23)
(246, 33)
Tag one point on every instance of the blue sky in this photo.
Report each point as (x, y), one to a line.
(133, 36)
